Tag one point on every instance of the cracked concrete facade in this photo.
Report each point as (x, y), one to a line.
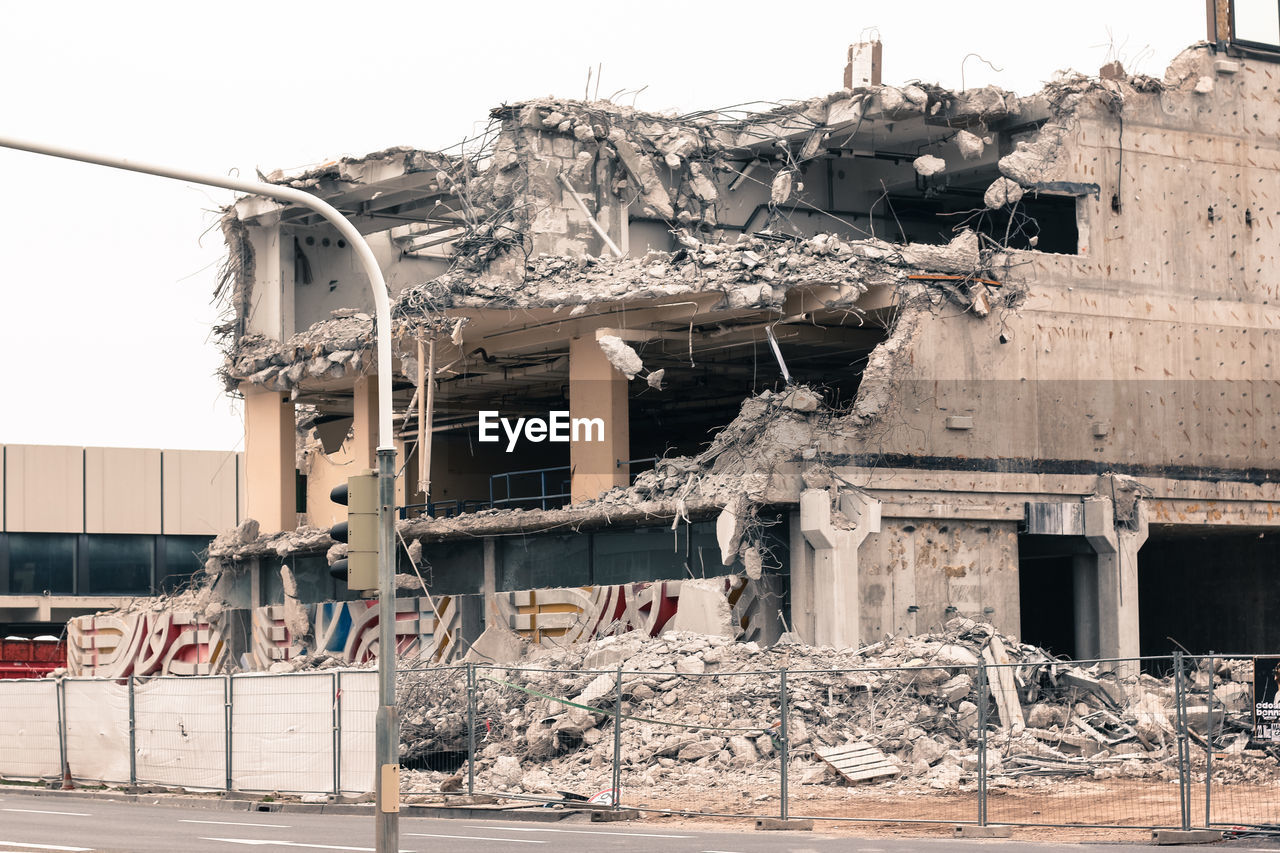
(990, 306)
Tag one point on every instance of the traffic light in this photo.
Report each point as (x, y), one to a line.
(360, 531)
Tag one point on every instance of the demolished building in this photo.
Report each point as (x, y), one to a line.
(845, 367)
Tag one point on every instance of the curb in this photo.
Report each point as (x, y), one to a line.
(248, 803)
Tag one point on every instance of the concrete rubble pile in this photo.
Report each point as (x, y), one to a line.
(698, 710)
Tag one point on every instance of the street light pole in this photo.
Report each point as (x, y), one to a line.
(387, 731)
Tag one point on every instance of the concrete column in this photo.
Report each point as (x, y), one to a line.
(270, 437)
(832, 567)
(489, 584)
(597, 390)
(1084, 570)
(364, 429)
(801, 593)
(1117, 577)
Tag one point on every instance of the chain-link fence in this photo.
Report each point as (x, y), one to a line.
(1115, 743)
(1140, 743)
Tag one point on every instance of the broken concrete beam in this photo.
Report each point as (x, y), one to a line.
(1003, 687)
(641, 169)
(1108, 691)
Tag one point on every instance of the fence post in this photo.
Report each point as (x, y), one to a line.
(133, 738)
(471, 728)
(336, 682)
(228, 692)
(784, 748)
(1184, 752)
(982, 743)
(617, 744)
(59, 700)
(1208, 746)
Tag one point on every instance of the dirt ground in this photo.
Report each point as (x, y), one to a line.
(1125, 808)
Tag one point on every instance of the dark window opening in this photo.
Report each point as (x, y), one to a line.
(183, 556)
(1049, 595)
(1209, 593)
(639, 554)
(119, 564)
(41, 562)
(1045, 223)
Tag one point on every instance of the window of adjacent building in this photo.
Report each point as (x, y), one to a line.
(40, 562)
(119, 564)
(183, 557)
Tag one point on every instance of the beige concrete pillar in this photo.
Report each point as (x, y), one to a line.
(1084, 570)
(597, 391)
(832, 587)
(364, 429)
(1117, 599)
(270, 436)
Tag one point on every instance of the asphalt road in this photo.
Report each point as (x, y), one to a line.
(36, 824)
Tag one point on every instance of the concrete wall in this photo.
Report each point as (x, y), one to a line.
(932, 565)
(337, 277)
(201, 490)
(271, 298)
(43, 489)
(50, 489)
(122, 490)
(1157, 346)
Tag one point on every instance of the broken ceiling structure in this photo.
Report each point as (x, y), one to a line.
(896, 354)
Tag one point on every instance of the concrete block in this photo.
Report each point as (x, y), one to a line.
(1185, 836)
(772, 823)
(615, 814)
(704, 608)
(970, 831)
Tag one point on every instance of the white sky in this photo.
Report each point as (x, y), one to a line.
(107, 276)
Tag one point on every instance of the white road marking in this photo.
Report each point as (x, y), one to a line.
(578, 831)
(237, 823)
(42, 811)
(258, 841)
(475, 838)
(29, 846)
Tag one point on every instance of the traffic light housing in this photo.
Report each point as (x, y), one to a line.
(360, 531)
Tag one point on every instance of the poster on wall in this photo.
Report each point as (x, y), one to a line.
(1266, 699)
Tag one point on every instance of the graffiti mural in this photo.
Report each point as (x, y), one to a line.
(348, 631)
(185, 643)
(580, 614)
(165, 643)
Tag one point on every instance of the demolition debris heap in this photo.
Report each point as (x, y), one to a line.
(697, 707)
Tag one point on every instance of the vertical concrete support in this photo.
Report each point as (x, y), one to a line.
(597, 391)
(800, 595)
(1117, 576)
(832, 567)
(270, 438)
(364, 428)
(1084, 571)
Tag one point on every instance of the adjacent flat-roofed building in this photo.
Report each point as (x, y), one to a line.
(87, 528)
